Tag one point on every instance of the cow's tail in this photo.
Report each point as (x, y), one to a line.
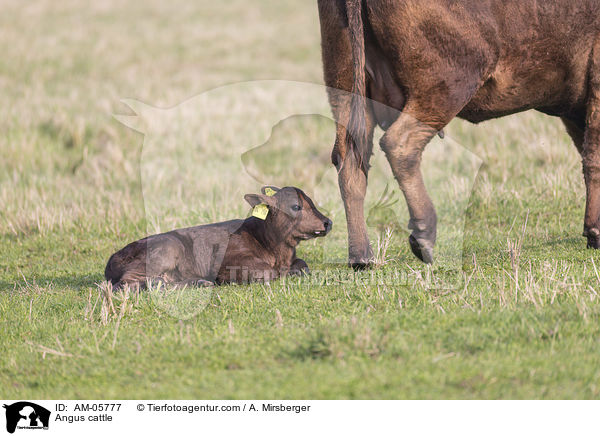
(356, 131)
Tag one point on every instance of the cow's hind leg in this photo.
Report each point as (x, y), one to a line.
(403, 145)
(352, 175)
(352, 180)
(591, 154)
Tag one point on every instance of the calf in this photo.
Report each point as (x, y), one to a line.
(259, 248)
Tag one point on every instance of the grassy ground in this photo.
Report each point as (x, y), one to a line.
(522, 321)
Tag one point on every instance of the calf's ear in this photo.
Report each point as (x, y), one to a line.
(269, 190)
(253, 199)
(256, 199)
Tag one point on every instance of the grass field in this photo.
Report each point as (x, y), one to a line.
(521, 321)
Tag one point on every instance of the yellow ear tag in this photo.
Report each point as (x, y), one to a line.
(260, 211)
(269, 192)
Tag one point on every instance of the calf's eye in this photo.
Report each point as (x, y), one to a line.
(296, 208)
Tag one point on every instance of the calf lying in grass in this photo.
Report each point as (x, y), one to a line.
(259, 248)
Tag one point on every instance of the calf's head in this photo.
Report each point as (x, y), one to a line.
(292, 215)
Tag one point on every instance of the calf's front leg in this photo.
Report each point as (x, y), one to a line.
(299, 268)
(188, 283)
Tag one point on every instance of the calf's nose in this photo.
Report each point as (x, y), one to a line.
(328, 224)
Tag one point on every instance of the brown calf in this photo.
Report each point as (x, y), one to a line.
(258, 248)
(434, 60)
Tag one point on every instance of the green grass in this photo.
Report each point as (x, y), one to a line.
(522, 321)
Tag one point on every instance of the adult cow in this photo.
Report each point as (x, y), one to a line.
(434, 60)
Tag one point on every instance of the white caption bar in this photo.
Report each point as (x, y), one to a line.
(298, 417)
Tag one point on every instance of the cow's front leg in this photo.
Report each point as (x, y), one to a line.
(403, 144)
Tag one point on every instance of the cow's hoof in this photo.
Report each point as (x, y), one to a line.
(593, 238)
(360, 259)
(421, 248)
(360, 265)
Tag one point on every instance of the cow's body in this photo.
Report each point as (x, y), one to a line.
(434, 60)
(236, 251)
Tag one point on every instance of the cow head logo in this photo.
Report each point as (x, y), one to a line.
(199, 157)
